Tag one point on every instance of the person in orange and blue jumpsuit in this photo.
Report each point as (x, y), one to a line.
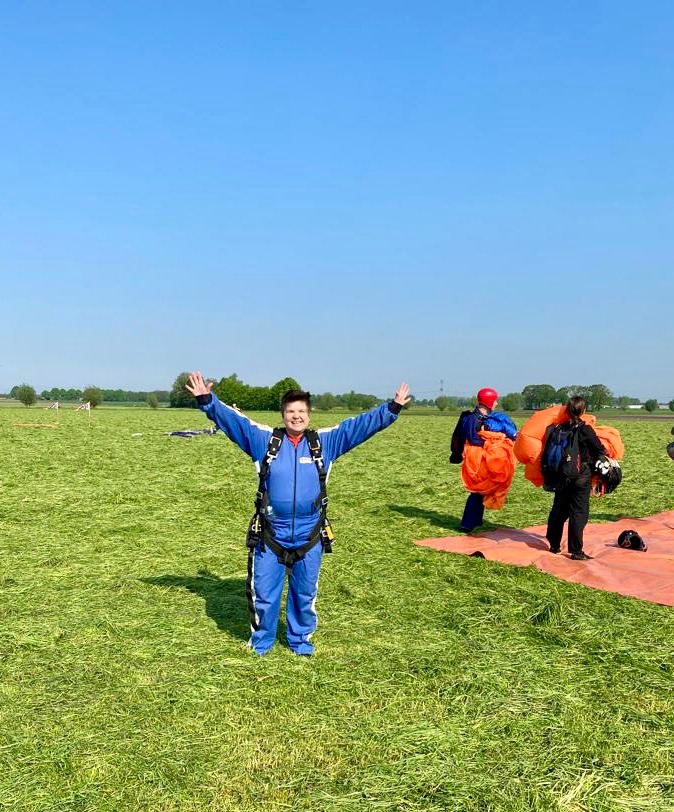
(482, 416)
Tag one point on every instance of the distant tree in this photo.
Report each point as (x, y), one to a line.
(153, 401)
(92, 394)
(180, 398)
(600, 397)
(324, 402)
(442, 402)
(24, 393)
(512, 402)
(257, 398)
(581, 391)
(671, 405)
(351, 400)
(651, 405)
(622, 402)
(538, 396)
(260, 398)
(279, 389)
(562, 394)
(231, 390)
(356, 401)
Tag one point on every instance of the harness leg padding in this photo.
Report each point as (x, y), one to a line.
(266, 586)
(301, 609)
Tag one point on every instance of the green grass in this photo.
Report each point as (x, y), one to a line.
(440, 682)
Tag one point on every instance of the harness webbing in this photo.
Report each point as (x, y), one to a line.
(260, 531)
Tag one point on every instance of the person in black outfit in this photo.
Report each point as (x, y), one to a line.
(572, 496)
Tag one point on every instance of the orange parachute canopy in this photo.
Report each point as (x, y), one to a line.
(529, 442)
(489, 469)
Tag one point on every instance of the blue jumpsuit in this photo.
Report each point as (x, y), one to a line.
(293, 511)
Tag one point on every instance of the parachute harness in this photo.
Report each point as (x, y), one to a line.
(259, 530)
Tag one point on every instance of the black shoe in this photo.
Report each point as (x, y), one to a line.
(554, 550)
(581, 557)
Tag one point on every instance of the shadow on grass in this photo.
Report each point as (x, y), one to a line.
(225, 598)
(445, 521)
(431, 516)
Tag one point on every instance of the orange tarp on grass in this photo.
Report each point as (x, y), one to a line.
(647, 575)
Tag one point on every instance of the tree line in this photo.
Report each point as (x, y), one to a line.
(233, 390)
(108, 395)
(27, 395)
(540, 396)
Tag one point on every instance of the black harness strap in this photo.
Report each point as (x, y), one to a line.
(314, 443)
(259, 529)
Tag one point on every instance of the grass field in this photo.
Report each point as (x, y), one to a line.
(440, 682)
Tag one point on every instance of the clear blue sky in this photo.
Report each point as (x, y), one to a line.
(348, 193)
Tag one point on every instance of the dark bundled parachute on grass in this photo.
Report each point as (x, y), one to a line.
(190, 432)
(670, 450)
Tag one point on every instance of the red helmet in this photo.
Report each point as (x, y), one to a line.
(487, 397)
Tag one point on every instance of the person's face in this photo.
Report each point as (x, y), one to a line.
(296, 417)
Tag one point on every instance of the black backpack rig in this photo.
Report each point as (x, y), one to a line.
(259, 529)
(561, 459)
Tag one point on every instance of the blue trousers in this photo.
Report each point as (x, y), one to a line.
(264, 588)
(473, 513)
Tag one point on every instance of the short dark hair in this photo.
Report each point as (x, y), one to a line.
(576, 407)
(293, 395)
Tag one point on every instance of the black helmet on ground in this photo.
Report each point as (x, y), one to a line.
(631, 540)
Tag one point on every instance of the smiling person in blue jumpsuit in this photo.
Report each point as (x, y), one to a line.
(292, 504)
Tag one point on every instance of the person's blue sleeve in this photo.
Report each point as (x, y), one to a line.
(251, 437)
(470, 426)
(499, 421)
(355, 430)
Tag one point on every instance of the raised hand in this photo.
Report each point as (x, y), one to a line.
(197, 385)
(402, 395)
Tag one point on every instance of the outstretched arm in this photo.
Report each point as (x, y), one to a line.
(252, 438)
(355, 430)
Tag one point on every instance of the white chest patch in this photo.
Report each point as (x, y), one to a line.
(305, 460)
